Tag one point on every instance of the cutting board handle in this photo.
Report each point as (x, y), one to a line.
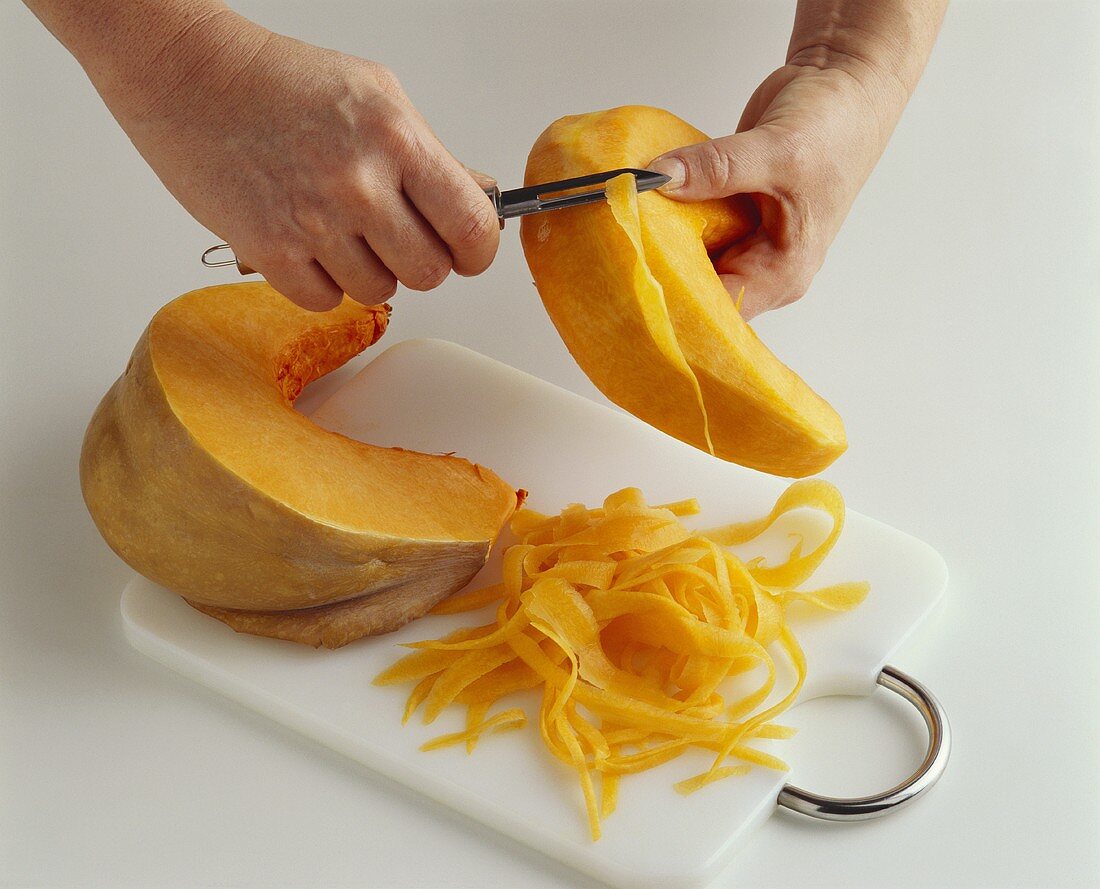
(863, 808)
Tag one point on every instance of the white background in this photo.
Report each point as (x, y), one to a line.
(954, 326)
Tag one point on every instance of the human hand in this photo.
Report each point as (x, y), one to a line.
(805, 145)
(807, 141)
(313, 165)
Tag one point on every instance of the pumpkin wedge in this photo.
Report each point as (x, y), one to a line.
(201, 475)
(631, 289)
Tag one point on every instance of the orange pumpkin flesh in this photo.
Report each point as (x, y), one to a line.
(202, 476)
(612, 302)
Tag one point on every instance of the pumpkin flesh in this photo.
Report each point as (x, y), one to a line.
(598, 289)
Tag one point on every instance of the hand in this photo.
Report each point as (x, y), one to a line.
(806, 143)
(808, 139)
(313, 165)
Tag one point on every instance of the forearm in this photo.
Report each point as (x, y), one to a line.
(138, 53)
(884, 43)
(313, 165)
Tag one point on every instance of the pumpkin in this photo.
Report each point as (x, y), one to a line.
(201, 475)
(632, 291)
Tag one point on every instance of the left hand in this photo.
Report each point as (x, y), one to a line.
(808, 139)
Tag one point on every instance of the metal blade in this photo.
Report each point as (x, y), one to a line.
(548, 195)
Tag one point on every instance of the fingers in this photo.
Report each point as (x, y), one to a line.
(761, 276)
(359, 273)
(739, 164)
(457, 208)
(397, 208)
(303, 282)
(396, 244)
(407, 245)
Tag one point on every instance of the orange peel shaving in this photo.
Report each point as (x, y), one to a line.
(622, 199)
(630, 623)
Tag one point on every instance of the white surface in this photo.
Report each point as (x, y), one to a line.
(433, 396)
(955, 327)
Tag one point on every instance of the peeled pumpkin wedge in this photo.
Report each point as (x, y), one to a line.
(631, 289)
(201, 475)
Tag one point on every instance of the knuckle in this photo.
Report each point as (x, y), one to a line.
(311, 219)
(286, 268)
(319, 301)
(429, 274)
(398, 130)
(279, 257)
(792, 295)
(374, 289)
(361, 193)
(796, 153)
(378, 292)
(791, 148)
(388, 291)
(794, 288)
(714, 165)
(322, 292)
(478, 223)
(384, 79)
(315, 298)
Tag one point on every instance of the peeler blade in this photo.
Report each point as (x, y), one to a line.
(564, 192)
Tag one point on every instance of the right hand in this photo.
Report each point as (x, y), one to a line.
(312, 165)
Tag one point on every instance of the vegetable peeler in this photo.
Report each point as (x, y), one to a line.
(516, 202)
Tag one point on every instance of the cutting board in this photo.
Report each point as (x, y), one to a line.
(435, 396)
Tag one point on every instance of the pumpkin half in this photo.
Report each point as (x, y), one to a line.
(201, 475)
(632, 291)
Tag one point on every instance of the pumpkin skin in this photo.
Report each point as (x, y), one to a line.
(597, 288)
(199, 473)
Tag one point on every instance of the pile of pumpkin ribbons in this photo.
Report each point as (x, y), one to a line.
(629, 623)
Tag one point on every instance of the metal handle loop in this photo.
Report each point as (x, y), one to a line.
(219, 263)
(928, 773)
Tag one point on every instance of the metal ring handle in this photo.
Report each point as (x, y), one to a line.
(928, 773)
(218, 263)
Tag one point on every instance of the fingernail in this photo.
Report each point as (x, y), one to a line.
(672, 167)
(481, 178)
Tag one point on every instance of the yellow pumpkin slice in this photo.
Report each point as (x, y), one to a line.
(199, 472)
(612, 300)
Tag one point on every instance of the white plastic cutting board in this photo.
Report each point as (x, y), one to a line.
(435, 396)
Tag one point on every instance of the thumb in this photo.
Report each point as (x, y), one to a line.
(736, 164)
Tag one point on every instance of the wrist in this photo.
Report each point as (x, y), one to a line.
(864, 68)
(862, 86)
(883, 44)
